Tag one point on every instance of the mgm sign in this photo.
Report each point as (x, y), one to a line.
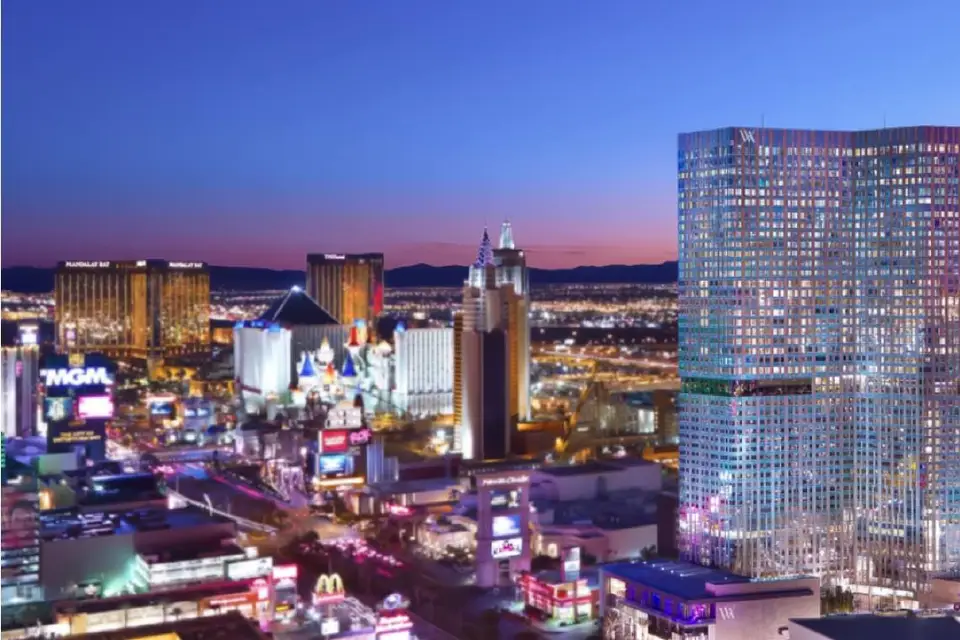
(329, 589)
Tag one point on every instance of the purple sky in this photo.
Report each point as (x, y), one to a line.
(253, 132)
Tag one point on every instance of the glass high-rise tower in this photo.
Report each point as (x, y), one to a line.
(820, 353)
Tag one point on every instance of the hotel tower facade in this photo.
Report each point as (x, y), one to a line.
(820, 354)
(140, 309)
(348, 286)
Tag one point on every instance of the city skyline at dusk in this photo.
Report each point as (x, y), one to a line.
(255, 133)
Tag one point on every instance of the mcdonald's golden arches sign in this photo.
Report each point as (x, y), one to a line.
(329, 589)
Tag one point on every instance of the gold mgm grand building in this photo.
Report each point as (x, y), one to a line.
(348, 286)
(133, 309)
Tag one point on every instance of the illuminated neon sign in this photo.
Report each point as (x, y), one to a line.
(329, 589)
(85, 264)
(334, 256)
(333, 441)
(285, 572)
(360, 437)
(76, 377)
(393, 623)
(95, 407)
(185, 265)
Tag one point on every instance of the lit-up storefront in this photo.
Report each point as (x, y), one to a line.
(92, 616)
(564, 602)
(285, 598)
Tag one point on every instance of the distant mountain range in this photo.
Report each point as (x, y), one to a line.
(39, 280)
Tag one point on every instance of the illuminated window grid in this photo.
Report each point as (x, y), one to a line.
(823, 256)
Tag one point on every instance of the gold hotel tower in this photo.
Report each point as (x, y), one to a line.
(133, 309)
(348, 286)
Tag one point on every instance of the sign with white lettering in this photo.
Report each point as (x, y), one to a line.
(746, 136)
(502, 480)
(334, 256)
(87, 264)
(345, 418)
(185, 265)
(75, 377)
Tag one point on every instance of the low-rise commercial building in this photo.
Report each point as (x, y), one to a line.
(684, 601)
(98, 552)
(869, 627)
(594, 479)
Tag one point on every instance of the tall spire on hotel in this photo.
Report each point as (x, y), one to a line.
(485, 252)
(506, 236)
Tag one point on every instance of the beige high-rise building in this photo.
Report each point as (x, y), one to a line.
(348, 286)
(492, 344)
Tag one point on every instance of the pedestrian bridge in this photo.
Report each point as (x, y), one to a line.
(178, 499)
(198, 454)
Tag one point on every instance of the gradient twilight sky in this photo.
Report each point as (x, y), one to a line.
(254, 131)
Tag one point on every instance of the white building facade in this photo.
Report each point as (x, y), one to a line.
(262, 356)
(424, 361)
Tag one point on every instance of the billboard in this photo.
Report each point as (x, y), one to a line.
(504, 526)
(63, 435)
(57, 409)
(162, 409)
(95, 407)
(508, 548)
(334, 441)
(333, 465)
(504, 499)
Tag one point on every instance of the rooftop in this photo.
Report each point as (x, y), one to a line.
(683, 579)
(592, 467)
(201, 549)
(870, 627)
(297, 308)
(610, 514)
(413, 486)
(553, 576)
(119, 488)
(69, 525)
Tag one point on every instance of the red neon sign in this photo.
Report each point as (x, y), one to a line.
(334, 441)
(395, 622)
(285, 572)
